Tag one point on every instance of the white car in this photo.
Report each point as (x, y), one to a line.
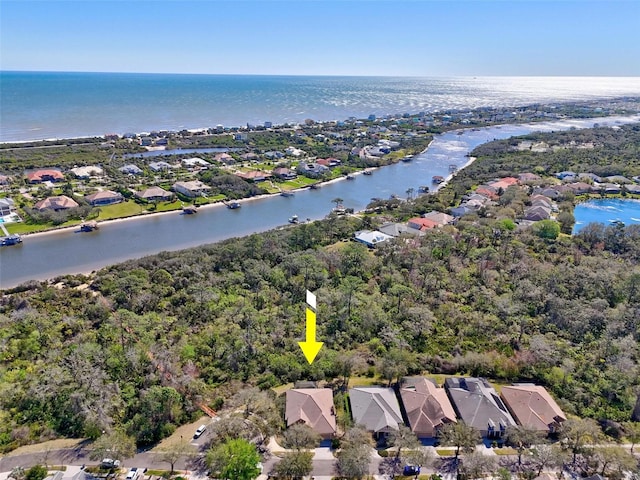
(110, 463)
(134, 473)
(199, 431)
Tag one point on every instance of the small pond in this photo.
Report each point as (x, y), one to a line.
(607, 211)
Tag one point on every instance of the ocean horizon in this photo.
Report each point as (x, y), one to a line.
(45, 105)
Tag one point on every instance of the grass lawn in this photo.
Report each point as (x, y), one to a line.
(120, 210)
(168, 206)
(23, 227)
(366, 381)
(505, 451)
(446, 452)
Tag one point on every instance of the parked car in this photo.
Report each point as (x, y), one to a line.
(135, 473)
(199, 431)
(411, 470)
(110, 463)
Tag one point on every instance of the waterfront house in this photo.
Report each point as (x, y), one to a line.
(155, 194)
(87, 172)
(192, 189)
(312, 169)
(427, 407)
(105, 197)
(46, 175)
(284, 173)
(131, 169)
(375, 408)
(7, 206)
(371, 238)
(479, 406)
(254, 175)
(313, 407)
(533, 407)
(61, 202)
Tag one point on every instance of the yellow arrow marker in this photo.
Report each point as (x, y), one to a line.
(310, 347)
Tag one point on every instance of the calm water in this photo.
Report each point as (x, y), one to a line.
(39, 105)
(46, 256)
(607, 211)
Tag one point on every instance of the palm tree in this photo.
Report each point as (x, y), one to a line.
(337, 201)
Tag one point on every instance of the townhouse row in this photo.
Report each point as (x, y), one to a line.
(426, 408)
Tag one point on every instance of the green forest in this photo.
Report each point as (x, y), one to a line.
(142, 344)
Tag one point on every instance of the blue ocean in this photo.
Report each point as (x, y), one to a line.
(40, 105)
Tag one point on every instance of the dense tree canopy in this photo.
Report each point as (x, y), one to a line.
(139, 346)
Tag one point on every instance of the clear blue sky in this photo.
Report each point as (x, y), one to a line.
(324, 37)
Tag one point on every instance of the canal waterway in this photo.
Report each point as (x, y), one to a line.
(607, 211)
(44, 256)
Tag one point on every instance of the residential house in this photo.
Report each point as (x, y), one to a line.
(159, 166)
(566, 175)
(5, 180)
(504, 183)
(246, 157)
(284, 173)
(376, 408)
(533, 407)
(195, 162)
(537, 213)
(294, 152)
(420, 223)
(397, 229)
(192, 189)
(46, 175)
(488, 191)
(105, 197)
(87, 172)
(312, 169)
(56, 204)
(313, 407)
(578, 187)
(549, 192)
(479, 406)
(528, 177)
(7, 206)
(227, 159)
(371, 238)
(461, 210)
(131, 169)
(427, 407)
(274, 155)
(589, 177)
(254, 175)
(155, 194)
(438, 217)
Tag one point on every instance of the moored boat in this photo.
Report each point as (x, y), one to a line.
(367, 172)
(190, 210)
(437, 179)
(286, 194)
(407, 158)
(314, 186)
(10, 240)
(350, 177)
(232, 205)
(89, 226)
(294, 219)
